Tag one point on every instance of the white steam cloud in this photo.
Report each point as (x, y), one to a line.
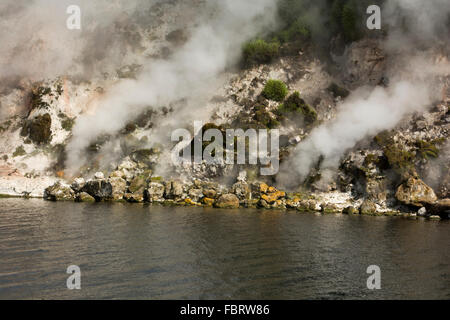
(191, 73)
(413, 87)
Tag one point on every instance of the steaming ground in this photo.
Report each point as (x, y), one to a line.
(179, 59)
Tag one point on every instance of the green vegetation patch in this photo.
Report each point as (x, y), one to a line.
(259, 51)
(275, 90)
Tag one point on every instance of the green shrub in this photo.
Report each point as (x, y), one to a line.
(298, 30)
(275, 90)
(295, 104)
(259, 52)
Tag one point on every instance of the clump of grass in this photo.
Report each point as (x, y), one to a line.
(295, 104)
(259, 51)
(275, 90)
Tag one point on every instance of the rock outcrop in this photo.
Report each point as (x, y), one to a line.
(416, 193)
(227, 201)
(59, 192)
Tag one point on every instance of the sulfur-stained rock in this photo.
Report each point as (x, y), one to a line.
(263, 187)
(273, 196)
(208, 202)
(59, 192)
(227, 201)
(416, 193)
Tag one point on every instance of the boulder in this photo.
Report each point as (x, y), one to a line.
(155, 192)
(416, 193)
(227, 201)
(78, 184)
(422, 212)
(99, 189)
(59, 192)
(119, 188)
(84, 197)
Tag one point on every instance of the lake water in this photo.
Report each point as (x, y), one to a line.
(128, 251)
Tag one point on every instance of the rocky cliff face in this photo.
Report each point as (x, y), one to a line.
(404, 169)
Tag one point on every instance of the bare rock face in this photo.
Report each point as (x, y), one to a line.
(59, 192)
(416, 193)
(227, 201)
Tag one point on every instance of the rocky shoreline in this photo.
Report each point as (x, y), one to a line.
(129, 184)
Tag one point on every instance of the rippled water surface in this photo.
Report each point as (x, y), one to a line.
(150, 252)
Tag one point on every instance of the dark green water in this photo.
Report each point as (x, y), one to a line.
(150, 252)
